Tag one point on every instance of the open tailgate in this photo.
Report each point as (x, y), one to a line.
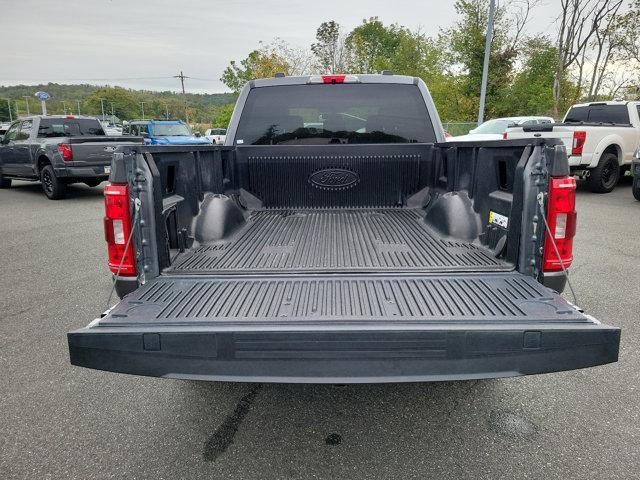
(340, 329)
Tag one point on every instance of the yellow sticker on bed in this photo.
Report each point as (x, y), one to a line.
(498, 219)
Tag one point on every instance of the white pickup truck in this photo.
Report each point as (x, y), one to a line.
(600, 137)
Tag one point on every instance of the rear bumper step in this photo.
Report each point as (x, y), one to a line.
(344, 355)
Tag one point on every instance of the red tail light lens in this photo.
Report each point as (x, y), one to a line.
(117, 228)
(504, 136)
(579, 137)
(66, 151)
(333, 78)
(561, 217)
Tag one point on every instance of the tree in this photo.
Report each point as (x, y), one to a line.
(579, 22)
(262, 63)
(330, 49)
(222, 116)
(464, 43)
(532, 91)
(125, 103)
(4, 110)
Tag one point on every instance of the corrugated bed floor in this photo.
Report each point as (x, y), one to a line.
(505, 297)
(337, 240)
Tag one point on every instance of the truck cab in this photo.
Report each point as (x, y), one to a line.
(164, 132)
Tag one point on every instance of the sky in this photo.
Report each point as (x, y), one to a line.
(142, 43)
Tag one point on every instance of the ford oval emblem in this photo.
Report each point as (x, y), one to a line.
(334, 179)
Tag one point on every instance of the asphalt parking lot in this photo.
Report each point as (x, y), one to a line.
(60, 421)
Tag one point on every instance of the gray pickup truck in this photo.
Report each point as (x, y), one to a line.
(58, 150)
(336, 237)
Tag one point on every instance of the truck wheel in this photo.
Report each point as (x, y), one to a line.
(604, 177)
(5, 182)
(636, 188)
(53, 187)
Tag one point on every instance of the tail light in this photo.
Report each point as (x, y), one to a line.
(561, 217)
(504, 136)
(66, 151)
(117, 228)
(333, 79)
(579, 137)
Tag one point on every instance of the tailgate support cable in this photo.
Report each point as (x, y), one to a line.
(136, 212)
(555, 247)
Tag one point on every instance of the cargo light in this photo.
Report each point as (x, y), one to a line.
(579, 138)
(333, 79)
(561, 218)
(66, 152)
(117, 229)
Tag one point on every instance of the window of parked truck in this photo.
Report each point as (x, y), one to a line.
(12, 133)
(25, 130)
(170, 130)
(617, 114)
(69, 127)
(340, 113)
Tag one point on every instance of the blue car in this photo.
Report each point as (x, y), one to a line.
(164, 132)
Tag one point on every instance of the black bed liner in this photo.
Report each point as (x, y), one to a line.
(390, 240)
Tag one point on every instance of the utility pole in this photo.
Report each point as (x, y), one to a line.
(10, 116)
(102, 107)
(78, 102)
(485, 65)
(26, 99)
(182, 77)
(142, 108)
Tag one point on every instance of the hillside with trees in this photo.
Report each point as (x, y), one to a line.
(127, 104)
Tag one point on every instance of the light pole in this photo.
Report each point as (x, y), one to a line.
(142, 108)
(166, 108)
(10, 116)
(26, 99)
(112, 114)
(102, 107)
(64, 107)
(485, 65)
(78, 102)
(17, 113)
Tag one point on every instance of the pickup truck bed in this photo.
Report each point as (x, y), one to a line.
(392, 279)
(392, 240)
